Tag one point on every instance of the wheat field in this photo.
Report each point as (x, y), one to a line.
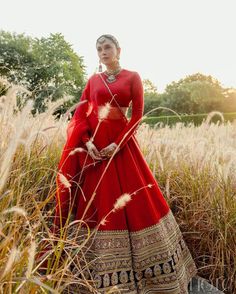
(194, 166)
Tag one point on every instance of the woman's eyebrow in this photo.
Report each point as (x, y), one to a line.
(106, 44)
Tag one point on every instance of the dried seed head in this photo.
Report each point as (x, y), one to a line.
(103, 222)
(16, 209)
(104, 111)
(121, 201)
(14, 256)
(64, 181)
(31, 257)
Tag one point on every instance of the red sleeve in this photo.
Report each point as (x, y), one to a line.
(137, 94)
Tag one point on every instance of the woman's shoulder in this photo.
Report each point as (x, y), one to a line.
(133, 74)
(129, 72)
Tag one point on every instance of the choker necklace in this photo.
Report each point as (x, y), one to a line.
(111, 74)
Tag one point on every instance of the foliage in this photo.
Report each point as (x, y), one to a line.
(149, 87)
(196, 119)
(151, 96)
(48, 67)
(152, 101)
(196, 93)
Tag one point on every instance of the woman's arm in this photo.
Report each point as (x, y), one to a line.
(137, 111)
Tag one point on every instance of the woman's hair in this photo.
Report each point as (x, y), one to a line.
(102, 38)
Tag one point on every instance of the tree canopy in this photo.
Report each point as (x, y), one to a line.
(48, 67)
(193, 94)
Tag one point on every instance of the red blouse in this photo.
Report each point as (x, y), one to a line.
(128, 87)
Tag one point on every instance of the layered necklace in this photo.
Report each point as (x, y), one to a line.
(111, 74)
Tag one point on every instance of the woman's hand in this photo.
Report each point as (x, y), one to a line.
(92, 150)
(109, 150)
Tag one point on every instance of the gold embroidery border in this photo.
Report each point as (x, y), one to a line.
(160, 260)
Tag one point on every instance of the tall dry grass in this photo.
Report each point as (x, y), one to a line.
(195, 166)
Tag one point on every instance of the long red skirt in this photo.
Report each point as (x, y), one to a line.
(138, 248)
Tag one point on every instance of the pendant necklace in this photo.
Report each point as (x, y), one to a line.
(111, 75)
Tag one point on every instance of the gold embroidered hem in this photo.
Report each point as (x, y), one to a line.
(152, 260)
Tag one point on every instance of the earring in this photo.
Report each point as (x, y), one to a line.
(100, 66)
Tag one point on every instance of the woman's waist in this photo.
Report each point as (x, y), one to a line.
(111, 112)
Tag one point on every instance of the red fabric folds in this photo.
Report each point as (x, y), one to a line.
(70, 165)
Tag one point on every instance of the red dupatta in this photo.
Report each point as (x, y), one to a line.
(71, 162)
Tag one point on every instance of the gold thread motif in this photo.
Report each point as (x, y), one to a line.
(152, 260)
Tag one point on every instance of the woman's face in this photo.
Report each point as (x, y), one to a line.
(107, 52)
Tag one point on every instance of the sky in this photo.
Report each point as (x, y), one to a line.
(163, 40)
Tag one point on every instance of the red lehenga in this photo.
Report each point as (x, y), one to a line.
(139, 248)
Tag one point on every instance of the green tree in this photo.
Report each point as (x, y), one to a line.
(151, 97)
(15, 56)
(196, 93)
(149, 87)
(48, 67)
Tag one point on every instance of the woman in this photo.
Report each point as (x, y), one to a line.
(105, 181)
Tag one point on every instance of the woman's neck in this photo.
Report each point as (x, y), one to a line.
(112, 67)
